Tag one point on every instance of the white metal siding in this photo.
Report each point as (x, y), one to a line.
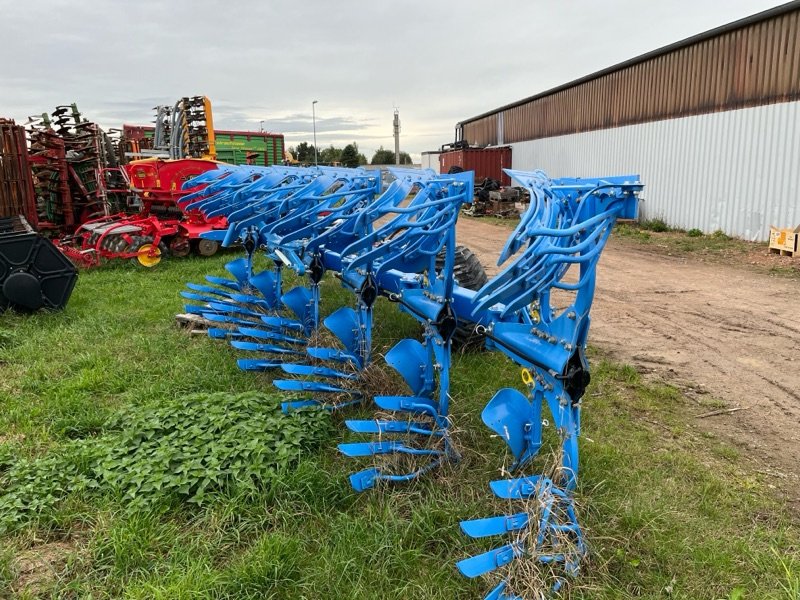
(430, 160)
(737, 170)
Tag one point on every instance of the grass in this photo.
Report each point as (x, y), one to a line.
(718, 247)
(656, 233)
(669, 513)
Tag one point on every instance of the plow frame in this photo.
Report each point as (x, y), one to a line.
(564, 231)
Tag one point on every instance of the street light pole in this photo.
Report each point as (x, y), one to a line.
(262, 126)
(314, 122)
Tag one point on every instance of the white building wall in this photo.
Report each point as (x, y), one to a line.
(430, 160)
(737, 170)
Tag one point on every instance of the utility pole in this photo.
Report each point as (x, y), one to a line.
(314, 121)
(396, 136)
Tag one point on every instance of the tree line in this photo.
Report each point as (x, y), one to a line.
(349, 156)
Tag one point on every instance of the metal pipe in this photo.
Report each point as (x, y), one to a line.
(314, 123)
(396, 127)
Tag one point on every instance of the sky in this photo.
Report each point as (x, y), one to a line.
(437, 62)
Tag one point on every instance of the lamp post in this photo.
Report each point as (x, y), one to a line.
(261, 123)
(314, 123)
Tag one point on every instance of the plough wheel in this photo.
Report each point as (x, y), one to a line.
(469, 273)
(142, 246)
(207, 247)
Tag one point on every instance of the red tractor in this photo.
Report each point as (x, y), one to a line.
(159, 228)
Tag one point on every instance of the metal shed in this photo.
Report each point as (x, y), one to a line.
(712, 123)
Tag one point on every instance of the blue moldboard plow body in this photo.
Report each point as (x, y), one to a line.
(399, 243)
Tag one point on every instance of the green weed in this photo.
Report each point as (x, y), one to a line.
(161, 454)
(657, 225)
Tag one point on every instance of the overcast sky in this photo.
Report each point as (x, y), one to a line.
(439, 62)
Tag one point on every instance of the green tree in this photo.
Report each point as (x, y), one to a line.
(362, 160)
(330, 155)
(382, 157)
(305, 152)
(349, 156)
(386, 157)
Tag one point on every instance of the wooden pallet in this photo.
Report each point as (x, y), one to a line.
(784, 241)
(783, 252)
(195, 324)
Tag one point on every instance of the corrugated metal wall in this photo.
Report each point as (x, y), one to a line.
(483, 131)
(737, 170)
(750, 66)
(430, 160)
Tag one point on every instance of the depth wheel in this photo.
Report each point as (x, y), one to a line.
(147, 254)
(207, 247)
(469, 273)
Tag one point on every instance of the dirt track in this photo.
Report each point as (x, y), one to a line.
(720, 330)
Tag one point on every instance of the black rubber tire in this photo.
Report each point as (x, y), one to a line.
(469, 273)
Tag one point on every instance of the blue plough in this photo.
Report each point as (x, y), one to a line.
(400, 244)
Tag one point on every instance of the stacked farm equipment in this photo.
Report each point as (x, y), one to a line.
(75, 170)
(184, 130)
(73, 181)
(401, 245)
(182, 148)
(192, 129)
(33, 274)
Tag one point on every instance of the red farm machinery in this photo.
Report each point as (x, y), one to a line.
(159, 227)
(104, 196)
(152, 224)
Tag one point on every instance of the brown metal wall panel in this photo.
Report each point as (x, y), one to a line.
(755, 64)
(476, 133)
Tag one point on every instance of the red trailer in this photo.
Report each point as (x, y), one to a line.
(486, 162)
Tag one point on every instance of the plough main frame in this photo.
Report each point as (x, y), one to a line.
(401, 244)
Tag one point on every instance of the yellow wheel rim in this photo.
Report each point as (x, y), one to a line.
(145, 258)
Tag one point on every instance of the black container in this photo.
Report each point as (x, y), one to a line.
(34, 274)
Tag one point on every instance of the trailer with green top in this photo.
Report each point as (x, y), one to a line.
(234, 147)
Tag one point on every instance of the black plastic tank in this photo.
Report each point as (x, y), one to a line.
(34, 274)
